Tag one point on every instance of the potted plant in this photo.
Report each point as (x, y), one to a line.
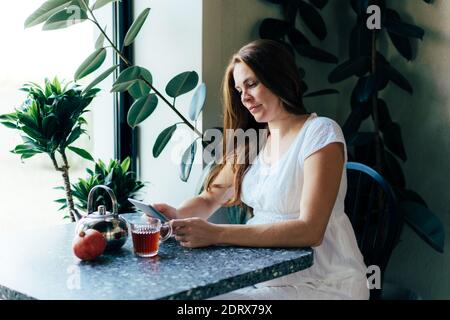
(117, 176)
(50, 121)
(136, 80)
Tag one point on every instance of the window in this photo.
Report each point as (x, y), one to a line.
(26, 189)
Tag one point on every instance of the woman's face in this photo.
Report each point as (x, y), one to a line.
(262, 103)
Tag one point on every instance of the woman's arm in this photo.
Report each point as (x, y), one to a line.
(205, 204)
(322, 176)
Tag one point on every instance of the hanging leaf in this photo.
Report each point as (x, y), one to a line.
(425, 223)
(187, 160)
(410, 195)
(296, 37)
(392, 135)
(290, 10)
(100, 78)
(353, 122)
(139, 88)
(396, 77)
(65, 18)
(312, 19)
(46, 10)
(384, 118)
(198, 102)
(99, 43)
(392, 170)
(92, 63)
(349, 68)
(82, 153)
(403, 29)
(125, 165)
(136, 27)
(182, 83)
(141, 109)
(319, 4)
(316, 53)
(100, 3)
(163, 139)
(365, 88)
(273, 29)
(401, 43)
(360, 43)
(321, 93)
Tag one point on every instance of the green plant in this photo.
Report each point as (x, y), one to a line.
(136, 80)
(117, 176)
(50, 121)
(286, 31)
(383, 147)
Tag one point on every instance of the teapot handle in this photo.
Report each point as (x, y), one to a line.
(111, 194)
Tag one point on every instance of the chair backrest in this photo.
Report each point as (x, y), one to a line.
(373, 210)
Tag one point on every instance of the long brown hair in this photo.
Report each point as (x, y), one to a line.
(274, 66)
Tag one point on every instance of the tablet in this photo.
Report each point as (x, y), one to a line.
(148, 210)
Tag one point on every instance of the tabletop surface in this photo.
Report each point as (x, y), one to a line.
(40, 265)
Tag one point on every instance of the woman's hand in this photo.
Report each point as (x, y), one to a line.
(168, 211)
(196, 232)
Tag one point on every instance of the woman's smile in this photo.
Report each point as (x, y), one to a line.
(255, 108)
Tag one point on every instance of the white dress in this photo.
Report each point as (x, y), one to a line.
(274, 192)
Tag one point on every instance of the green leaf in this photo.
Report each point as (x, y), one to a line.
(187, 160)
(141, 109)
(182, 83)
(163, 139)
(392, 135)
(92, 63)
(99, 43)
(198, 102)
(349, 68)
(136, 27)
(125, 165)
(124, 86)
(321, 93)
(100, 3)
(74, 135)
(82, 153)
(425, 223)
(140, 88)
(100, 78)
(273, 29)
(9, 125)
(65, 18)
(46, 10)
(312, 19)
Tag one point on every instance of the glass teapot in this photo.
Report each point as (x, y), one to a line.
(113, 227)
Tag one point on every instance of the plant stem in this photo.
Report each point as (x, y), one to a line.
(128, 63)
(65, 174)
(375, 106)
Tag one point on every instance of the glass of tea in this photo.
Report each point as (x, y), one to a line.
(146, 235)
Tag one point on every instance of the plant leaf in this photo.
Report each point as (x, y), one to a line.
(82, 153)
(321, 93)
(136, 27)
(273, 29)
(316, 53)
(100, 3)
(92, 63)
(46, 10)
(139, 88)
(125, 165)
(99, 43)
(141, 109)
(182, 83)
(163, 139)
(312, 19)
(197, 102)
(392, 135)
(65, 18)
(349, 68)
(187, 160)
(100, 78)
(425, 223)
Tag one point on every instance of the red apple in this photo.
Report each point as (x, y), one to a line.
(89, 244)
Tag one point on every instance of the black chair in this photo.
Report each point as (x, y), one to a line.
(372, 208)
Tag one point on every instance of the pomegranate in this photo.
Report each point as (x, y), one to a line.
(88, 245)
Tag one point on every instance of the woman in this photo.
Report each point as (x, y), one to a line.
(297, 194)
